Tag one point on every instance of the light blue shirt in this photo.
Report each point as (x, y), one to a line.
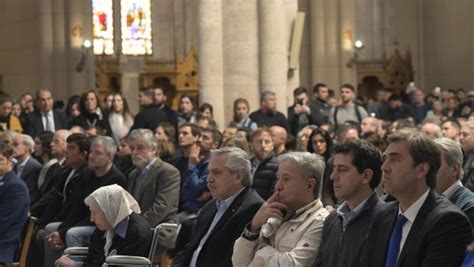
(221, 208)
(349, 215)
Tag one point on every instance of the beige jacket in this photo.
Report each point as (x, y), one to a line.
(295, 243)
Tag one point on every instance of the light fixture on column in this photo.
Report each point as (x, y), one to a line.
(358, 46)
(86, 47)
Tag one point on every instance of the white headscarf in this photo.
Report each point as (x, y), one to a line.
(116, 204)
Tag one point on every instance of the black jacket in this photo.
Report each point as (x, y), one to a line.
(217, 251)
(268, 120)
(88, 120)
(149, 118)
(34, 122)
(341, 247)
(136, 242)
(74, 212)
(264, 178)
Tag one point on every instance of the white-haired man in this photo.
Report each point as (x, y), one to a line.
(299, 215)
(27, 168)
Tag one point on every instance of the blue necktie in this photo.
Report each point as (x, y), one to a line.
(394, 247)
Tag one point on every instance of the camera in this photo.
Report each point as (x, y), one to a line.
(299, 101)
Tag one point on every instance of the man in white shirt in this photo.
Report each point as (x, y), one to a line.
(420, 228)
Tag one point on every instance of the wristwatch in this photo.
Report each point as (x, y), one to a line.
(249, 235)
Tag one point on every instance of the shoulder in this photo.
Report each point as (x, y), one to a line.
(165, 167)
(12, 185)
(34, 163)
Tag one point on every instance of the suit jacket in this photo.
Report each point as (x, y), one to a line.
(217, 251)
(136, 242)
(463, 198)
(438, 237)
(30, 175)
(156, 191)
(14, 201)
(34, 122)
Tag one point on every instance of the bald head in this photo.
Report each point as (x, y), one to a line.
(431, 130)
(58, 145)
(44, 100)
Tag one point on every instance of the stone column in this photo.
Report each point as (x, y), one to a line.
(240, 20)
(60, 60)
(291, 9)
(211, 60)
(273, 50)
(317, 25)
(46, 43)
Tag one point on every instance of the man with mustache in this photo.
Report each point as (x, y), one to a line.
(153, 183)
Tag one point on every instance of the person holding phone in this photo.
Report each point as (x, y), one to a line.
(286, 230)
(300, 114)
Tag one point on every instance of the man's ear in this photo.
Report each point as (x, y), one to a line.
(367, 175)
(422, 170)
(312, 184)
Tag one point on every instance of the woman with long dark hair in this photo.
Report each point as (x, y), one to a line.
(92, 115)
(320, 143)
(120, 117)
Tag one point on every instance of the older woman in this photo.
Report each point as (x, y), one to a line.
(120, 229)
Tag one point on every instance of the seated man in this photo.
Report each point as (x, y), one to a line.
(222, 220)
(120, 230)
(153, 183)
(287, 229)
(14, 202)
(356, 173)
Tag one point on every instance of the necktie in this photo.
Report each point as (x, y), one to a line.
(48, 123)
(394, 247)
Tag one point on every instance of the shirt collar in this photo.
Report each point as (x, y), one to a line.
(148, 166)
(226, 202)
(450, 191)
(349, 215)
(23, 163)
(413, 210)
(121, 228)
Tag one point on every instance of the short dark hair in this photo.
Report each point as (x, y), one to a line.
(195, 129)
(6, 150)
(422, 149)
(317, 86)
(205, 106)
(148, 91)
(364, 156)
(217, 137)
(455, 123)
(82, 141)
(348, 86)
(299, 90)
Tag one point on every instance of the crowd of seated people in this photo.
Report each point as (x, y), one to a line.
(340, 181)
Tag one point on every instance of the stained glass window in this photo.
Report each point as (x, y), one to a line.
(103, 27)
(136, 27)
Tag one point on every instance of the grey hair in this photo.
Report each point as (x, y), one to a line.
(143, 134)
(301, 132)
(452, 153)
(470, 125)
(107, 142)
(29, 142)
(10, 134)
(311, 165)
(237, 161)
(265, 94)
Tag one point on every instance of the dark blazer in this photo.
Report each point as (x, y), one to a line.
(438, 237)
(14, 201)
(217, 251)
(157, 192)
(34, 122)
(341, 247)
(463, 198)
(136, 242)
(149, 118)
(30, 175)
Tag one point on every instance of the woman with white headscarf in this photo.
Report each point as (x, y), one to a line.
(120, 229)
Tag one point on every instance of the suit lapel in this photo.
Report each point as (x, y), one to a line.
(234, 206)
(385, 231)
(39, 122)
(417, 225)
(144, 181)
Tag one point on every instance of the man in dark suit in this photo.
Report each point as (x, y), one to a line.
(45, 118)
(448, 178)
(150, 114)
(420, 228)
(222, 220)
(356, 174)
(27, 168)
(14, 202)
(153, 183)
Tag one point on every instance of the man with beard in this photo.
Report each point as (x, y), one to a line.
(159, 98)
(150, 114)
(348, 110)
(73, 227)
(264, 163)
(153, 183)
(320, 104)
(194, 192)
(267, 115)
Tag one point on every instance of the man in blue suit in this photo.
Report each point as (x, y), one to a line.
(420, 228)
(14, 201)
